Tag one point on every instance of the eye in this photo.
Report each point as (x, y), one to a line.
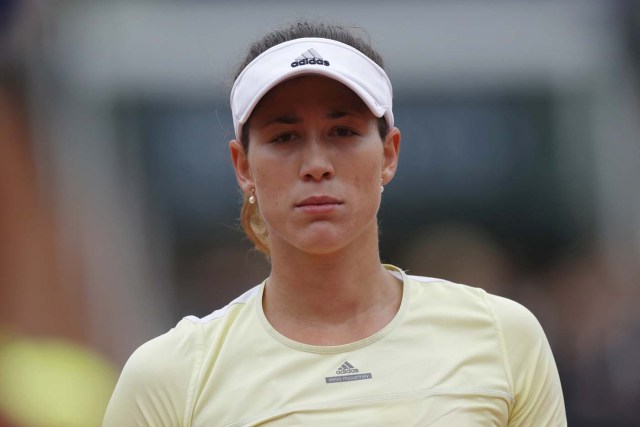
(284, 137)
(343, 132)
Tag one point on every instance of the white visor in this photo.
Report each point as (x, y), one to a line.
(320, 56)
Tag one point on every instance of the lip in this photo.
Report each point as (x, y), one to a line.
(319, 204)
(319, 200)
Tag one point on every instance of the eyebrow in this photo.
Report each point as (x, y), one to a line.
(286, 119)
(291, 119)
(338, 114)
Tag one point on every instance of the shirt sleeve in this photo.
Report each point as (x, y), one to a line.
(530, 366)
(154, 386)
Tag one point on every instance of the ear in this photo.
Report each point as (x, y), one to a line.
(391, 150)
(241, 166)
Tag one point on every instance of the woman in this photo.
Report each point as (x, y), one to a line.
(332, 337)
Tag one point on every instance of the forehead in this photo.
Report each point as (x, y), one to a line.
(310, 90)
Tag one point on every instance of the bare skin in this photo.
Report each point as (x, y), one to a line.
(316, 162)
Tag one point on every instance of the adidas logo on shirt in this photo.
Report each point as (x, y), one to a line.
(312, 57)
(346, 368)
(347, 372)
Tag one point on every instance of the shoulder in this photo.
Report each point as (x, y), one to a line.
(451, 298)
(515, 326)
(526, 356)
(515, 320)
(154, 384)
(505, 313)
(229, 311)
(445, 287)
(178, 349)
(521, 336)
(157, 384)
(165, 353)
(530, 365)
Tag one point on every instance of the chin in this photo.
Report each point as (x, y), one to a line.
(325, 237)
(322, 250)
(321, 246)
(321, 242)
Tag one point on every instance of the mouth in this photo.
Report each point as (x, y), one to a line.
(319, 204)
(318, 201)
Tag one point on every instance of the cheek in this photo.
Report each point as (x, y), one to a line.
(266, 172)
(367, 172)
(271, 186)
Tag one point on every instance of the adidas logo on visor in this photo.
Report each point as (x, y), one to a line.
(311, 57)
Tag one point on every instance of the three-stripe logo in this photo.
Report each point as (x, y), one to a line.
(310, 56)
(347, 368)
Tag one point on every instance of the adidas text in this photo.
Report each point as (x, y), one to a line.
(342, 370)
(311, 61)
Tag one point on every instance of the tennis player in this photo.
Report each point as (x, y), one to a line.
(332, 336)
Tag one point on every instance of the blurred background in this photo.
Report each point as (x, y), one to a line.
(519, 173)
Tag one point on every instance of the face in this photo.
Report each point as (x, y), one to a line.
(316, 161)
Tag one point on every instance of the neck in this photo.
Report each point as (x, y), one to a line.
(316, 298)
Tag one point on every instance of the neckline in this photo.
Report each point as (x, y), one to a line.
(341, 348)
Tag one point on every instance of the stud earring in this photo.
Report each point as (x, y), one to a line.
(252, 197)
(381, 186)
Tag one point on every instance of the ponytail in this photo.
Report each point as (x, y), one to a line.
(254, 226)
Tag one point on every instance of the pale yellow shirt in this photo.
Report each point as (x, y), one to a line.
(452, 356)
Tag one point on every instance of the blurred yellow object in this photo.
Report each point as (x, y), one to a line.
(47, 382)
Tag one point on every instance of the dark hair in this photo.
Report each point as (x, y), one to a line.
(251, 219)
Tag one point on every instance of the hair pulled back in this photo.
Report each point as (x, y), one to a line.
(250, 218)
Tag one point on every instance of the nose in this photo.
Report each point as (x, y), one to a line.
(316, 163)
